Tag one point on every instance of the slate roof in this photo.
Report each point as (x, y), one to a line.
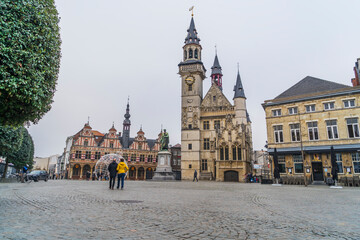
(192, 34)
(216, 68)
(310, 85)
(238, 88)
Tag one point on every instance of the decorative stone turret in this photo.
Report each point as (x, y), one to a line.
(126, 127)
(216, 74)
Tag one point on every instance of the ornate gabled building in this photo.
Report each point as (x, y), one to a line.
(90, 145)
(216, 137)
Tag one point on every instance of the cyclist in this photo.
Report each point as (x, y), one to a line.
(24, 170)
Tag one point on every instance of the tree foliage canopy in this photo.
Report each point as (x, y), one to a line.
(29, 59)
(25, 154)
(10, 139)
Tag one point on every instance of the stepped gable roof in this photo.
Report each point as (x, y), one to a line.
(310, 85)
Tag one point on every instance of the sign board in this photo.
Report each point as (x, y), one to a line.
(257, 166)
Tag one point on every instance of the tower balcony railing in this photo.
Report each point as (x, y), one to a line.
(191, 68)
(217, 109)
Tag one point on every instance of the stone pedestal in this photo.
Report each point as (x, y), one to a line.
(163, 169)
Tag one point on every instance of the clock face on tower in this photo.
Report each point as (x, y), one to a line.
(189, 80)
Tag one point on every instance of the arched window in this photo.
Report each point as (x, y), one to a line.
(226, 153)
(196, 53)
(239, 153)
(185, 54)
(190, 53)
(221, 153)
(86, 142)
(234, 152)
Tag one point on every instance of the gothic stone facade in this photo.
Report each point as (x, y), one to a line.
(216, 137)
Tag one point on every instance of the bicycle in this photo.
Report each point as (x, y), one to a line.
(26, 178)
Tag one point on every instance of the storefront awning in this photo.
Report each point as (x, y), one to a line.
(317, 149)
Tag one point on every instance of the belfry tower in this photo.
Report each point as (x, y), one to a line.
(216, 74)
(126, 127)
(192, 72)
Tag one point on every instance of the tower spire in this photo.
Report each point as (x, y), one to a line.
(126, 127)
(238, 88)
(216, 73)
(192, 34)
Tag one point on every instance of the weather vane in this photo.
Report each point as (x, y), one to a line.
(192, 11)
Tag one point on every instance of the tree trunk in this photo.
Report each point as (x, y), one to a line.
(5, 169)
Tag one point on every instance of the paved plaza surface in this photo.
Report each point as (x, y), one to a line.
(65, 209)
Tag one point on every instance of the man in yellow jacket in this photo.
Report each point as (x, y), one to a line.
(121, 169)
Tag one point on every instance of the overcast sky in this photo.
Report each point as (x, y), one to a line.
(112, 49)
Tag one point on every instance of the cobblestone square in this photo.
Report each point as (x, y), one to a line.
(63, 209)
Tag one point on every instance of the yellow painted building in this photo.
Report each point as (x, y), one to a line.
(312, 116)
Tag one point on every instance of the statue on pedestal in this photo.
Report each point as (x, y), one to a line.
(164, 141)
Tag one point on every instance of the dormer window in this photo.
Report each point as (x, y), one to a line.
(86, 142)
(111, 144)
(214, 98)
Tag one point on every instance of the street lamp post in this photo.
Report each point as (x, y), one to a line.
(302, 151)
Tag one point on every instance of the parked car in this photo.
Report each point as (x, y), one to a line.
(38, 175)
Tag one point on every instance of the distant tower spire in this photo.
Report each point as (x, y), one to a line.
(216, 73)
(126, 127)
(238, 88)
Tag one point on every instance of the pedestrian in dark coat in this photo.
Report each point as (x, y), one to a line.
(195, 176)
(112, 170)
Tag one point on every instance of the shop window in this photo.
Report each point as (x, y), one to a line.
(281, 161)
(298, 163)
(339, 162)
(356, 162)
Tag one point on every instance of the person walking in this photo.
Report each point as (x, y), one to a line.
(112, 170)
(195, 176)
(122, 168)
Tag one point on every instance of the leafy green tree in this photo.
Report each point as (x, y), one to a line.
(29, 59)
(10, 141)
(25, 154)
